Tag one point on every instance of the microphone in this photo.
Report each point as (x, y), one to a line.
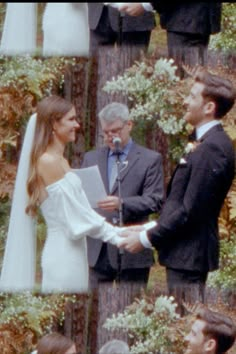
(117, 144)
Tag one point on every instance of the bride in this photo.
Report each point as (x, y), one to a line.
(45, 179)
(65, 29)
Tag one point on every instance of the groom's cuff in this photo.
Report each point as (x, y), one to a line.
(147, 6)
(143, 238)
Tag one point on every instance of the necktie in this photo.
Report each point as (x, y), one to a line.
(113, 175)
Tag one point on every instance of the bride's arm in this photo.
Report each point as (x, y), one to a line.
(75, 214)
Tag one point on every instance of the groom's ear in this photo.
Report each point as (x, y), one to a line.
(210, 345)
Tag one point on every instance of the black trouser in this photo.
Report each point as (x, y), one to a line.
(187, 48)
(186, 286)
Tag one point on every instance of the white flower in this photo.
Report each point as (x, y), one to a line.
(190, 147)
(182, 161)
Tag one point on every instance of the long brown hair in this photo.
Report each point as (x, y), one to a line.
(49, 110)
(54, 343)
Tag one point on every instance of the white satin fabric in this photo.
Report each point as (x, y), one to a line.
(18, 269)
(65, 29)
(69, 220)
(20, 29)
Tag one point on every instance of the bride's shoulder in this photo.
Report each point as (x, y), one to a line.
(47, 160)
(49, 168)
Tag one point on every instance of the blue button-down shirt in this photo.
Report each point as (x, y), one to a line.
(123, 157)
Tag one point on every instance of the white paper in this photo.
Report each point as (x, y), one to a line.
(92, 184)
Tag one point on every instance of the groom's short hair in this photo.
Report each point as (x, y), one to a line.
(217, 89)
(219, 327)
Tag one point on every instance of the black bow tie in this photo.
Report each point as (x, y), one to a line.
(192, 136)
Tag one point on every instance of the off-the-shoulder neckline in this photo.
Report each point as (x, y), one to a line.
(48, 187)
(60, 180)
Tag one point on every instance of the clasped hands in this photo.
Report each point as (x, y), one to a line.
(131, 234)
(131, 237)
(128, 8)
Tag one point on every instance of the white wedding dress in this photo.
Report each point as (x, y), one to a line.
(65, 29)
(69, 220)
(20, 29)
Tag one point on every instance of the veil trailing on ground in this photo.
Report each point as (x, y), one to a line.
(19, 262)
(20, 29)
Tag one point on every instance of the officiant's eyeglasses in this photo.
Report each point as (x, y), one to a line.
(115, 131)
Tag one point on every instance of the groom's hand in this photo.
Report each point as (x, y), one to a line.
(131, 241)
(132, 9)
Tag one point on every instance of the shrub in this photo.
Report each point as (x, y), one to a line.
(152, 324)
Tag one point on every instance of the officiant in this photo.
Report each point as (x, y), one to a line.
(141, 189)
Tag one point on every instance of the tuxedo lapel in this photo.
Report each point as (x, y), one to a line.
(211, 131)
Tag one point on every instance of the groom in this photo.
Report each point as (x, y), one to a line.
(187, 237)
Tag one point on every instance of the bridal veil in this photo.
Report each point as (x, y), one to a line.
(20, 29)
(19, 262)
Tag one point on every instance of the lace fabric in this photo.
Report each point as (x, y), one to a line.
(18, 270)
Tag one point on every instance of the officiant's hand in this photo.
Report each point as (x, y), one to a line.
(132, 9)
(111, 203)
(131, 241)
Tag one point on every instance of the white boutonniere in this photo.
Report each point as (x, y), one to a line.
(182, 161)
(190, 147)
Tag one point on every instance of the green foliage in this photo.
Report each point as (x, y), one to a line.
(27, 315)
(225, 277)
(155, 95)
(152, 325)
(225, 40)
(152, 90)
(4, 217)
(31, 77)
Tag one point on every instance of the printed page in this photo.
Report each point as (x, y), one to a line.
(92, 184)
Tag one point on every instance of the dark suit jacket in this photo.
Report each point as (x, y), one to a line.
(189, 17)
(142, 191)
(187, 234)
(145, 22)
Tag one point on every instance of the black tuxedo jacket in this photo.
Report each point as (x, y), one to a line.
(187, 233)
(189, 17)
(142, 191)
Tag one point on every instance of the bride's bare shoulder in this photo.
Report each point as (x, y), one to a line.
(49, 168)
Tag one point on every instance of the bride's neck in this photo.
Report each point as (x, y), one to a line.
(56, 148)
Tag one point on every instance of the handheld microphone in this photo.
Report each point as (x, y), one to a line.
(117, 144)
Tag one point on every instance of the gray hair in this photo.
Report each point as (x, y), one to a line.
(115, 346)
(113, 111)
